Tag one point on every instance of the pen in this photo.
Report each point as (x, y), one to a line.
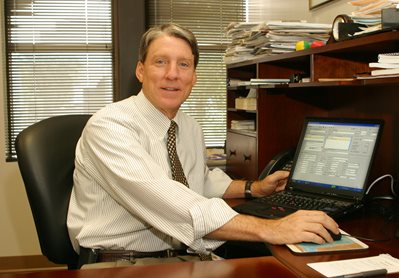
(368, 273)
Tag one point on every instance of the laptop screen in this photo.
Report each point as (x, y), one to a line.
(334, 156)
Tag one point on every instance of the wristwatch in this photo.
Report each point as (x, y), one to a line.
(248, 192)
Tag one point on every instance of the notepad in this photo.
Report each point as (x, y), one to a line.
(346, 243)
(342, 268)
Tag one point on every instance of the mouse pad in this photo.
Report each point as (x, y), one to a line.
(346, 243)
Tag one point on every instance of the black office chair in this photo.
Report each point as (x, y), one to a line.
(46, 153)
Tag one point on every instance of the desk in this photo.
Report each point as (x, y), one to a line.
(253, 267)
(363, 224)
(368, 227)
(283, 264)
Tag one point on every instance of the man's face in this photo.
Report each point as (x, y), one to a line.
(168, 74)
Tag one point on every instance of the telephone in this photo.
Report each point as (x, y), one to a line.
(281, 161)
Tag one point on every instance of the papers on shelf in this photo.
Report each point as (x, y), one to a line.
(243, 125)
(357, 266)
(250, 40)
(392, 57)
(369, 13)
(384, 65)
(384, 72)
(388, 63)
(247, 103)
(368, 76)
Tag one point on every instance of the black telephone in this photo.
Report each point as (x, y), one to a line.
(281, 161)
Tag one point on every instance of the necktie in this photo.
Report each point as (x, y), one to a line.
(175, 164)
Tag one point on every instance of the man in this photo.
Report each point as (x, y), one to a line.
(125, 199)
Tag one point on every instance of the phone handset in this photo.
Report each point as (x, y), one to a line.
(282, 160)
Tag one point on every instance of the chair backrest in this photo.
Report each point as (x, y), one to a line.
(46, 154)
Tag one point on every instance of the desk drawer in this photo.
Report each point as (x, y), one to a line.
(242, 159)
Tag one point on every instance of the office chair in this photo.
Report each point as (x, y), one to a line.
(46, 153)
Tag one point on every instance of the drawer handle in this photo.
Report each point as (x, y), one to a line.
(232, 153)
(247, 157)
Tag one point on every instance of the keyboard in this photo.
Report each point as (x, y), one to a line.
(294, 201)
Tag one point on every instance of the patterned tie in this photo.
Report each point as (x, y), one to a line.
(177, 169)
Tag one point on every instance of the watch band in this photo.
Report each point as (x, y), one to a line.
(248, 192)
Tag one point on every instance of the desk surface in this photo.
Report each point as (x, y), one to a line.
(372, 227)
(253, 267)
(360, 224)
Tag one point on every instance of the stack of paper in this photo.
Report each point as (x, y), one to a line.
(284, 35)
(247, 103)
(388, 64)
(243, 125)
(369, 13)
(361, 267)
(246, 37)
(249, 40)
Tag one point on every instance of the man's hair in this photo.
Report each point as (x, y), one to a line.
(173, 30)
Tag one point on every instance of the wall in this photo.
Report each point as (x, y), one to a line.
(18, 234)
(327, 12)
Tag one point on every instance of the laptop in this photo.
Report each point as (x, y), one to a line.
(331, 166)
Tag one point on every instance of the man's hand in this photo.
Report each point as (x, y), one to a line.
(272, 183)
(301, 226)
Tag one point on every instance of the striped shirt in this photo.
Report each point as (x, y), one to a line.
(124, 196)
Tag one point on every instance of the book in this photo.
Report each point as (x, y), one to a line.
(369, 76)
(384, 65)
(392, 57)
(346, 243)
(384, 71)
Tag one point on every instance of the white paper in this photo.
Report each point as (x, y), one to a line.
(344, 267)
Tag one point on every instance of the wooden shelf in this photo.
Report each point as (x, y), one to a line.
(282, 107)
(242, 110)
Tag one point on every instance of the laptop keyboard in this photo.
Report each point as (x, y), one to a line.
(291, 201)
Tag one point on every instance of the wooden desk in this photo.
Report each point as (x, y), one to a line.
(254, 267)
(362, 224)
(284, 263)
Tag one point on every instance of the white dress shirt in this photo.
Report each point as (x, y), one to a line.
(124, 196)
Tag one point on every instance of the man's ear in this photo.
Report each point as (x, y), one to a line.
(140, 71)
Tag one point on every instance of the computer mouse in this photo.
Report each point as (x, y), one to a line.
(335, 236)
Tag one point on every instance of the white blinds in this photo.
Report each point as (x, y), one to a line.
(59, 60)
(207, 20)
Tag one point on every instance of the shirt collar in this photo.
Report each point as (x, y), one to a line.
(158, 121)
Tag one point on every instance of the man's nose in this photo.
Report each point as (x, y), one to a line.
(172, 71)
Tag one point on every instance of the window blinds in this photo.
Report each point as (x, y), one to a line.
(207, 20)
(59, 60)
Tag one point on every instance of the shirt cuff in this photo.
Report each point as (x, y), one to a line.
(207, 217)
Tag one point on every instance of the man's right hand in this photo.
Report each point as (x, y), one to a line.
(301, 226)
